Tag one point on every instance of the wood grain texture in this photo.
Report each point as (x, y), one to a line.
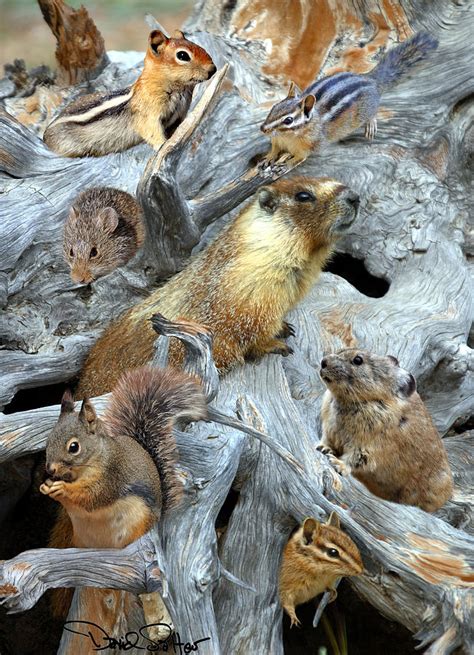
(413, 231)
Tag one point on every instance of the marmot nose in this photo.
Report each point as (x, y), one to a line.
(324, 363)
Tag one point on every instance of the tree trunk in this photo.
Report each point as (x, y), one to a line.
(407, 292)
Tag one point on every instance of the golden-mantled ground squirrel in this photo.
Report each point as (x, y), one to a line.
(314, 558)
(335, 106)
(115, 477)
(103, 231)
(376, 425)
(149, 110)
(241, 286)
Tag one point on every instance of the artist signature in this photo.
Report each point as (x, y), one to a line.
(100, 640)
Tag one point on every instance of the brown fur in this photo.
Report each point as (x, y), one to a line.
(308, 570)
(241, 286)
(149, 110)
(377, 425)
(103, 231)
(112, 490)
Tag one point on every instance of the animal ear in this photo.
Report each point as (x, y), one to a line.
(333, 520)
(394, 360)
(308, 105)
(293, 91)
(107, 219)
(310, 528)
(67, 403)
(407, 384)
(73, 214)
(156, 40)
(268, 199)
(87, 415)
(178, 34)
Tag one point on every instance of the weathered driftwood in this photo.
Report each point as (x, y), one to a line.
(412, 231)
(407, 562)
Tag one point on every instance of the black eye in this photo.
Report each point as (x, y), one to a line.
(182, 55)
(93, 252)
(304, 196)
(73, 447)
(288, 120)
(71, 253)
(357, 360)
(332, 552)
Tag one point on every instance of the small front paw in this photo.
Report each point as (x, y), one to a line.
(295, 621)
(339, 465)
(56, 489)
(325, 450)
(286, 331)
(283, 350)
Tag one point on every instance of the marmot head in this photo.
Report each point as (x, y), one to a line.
(320, 208)
(178, 59)
(74, 442)
(354, 375)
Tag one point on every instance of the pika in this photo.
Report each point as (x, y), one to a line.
(314, 558)
(241, 286)
(103, 231)
(376, 424)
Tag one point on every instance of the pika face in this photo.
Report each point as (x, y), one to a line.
(321, 208)
(359, 375)
(188, 62)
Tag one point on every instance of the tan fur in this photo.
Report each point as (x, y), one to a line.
(151, 109)
(241, 286)
(307, 569)
(376, 424)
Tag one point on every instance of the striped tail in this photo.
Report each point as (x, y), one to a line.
(401, 59)
(145, 405)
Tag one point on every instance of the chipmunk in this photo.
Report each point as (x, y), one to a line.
(241, 286)
(314, 558)
(376, 427)
(103, 230)
(115, 477)
(335, 106)
(149, 110)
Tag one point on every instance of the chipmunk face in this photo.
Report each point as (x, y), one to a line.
(320, 207)
(290, 114)
(186, 63)
(328, 546)
(70, 441)
(358, 375)
(92, 244)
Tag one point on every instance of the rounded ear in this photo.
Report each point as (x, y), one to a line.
(268, 199)
(407, 384)
(67, 403)
(107, 219)
(394, 360)
(73, 214)
(293, 91)
(87, 415)
(156, 40)
(308, 105)
(178, 34)
(310, 528)
(333, 520)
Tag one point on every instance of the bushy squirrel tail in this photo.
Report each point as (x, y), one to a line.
(145, 405)
(397, 61)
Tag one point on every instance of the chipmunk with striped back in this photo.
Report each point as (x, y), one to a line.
(335, 106)
(149, 110)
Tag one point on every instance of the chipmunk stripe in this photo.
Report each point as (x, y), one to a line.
(99, 109)
(345, 90)
(346, 102)
(321, 86)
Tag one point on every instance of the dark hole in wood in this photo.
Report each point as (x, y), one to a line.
(227, 508)
(353, 270)
(37, 397)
